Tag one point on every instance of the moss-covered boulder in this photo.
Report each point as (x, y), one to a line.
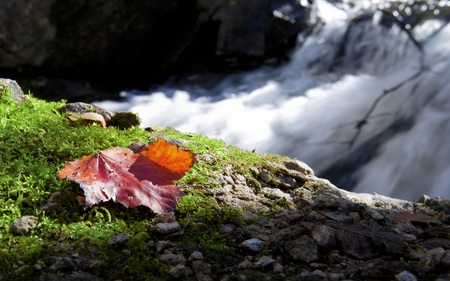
(243, 215)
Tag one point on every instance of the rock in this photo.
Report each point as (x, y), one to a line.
(278, 268)
(165, 218)
(63, 264)
(436, 203)
(299, 167)
(378, 269)
(118, 239)
(323, 236)
(446, 259)
(81, 107)
(264, 261)
(303, 248)
(405, 276)
(180, 270)
(365, 242)
(136, 146)
(173, 259)
(276, 193)
(161, 245)
(202, 270)
(23, 225)
(196, 255)
(82, 276)
(116, 39)
(16, 92)
(264, 176)
(245, 264)
(125, 120)
(253, 245)
(167, 228)
(432, 258)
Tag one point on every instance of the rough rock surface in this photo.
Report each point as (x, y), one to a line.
(23, 225)
(318, 232)
(293, 226)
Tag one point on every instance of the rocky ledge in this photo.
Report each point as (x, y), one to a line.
(294, 227)
(283, 223)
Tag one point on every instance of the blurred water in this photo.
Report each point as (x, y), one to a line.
(310, 107)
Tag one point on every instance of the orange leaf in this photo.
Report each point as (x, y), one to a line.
(168, 160)
(132, 179)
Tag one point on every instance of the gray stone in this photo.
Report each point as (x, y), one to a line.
(254, 245)
(264, 261)
(82, 107)
(432, 258)
(173, 259)
(276, 193)
(63, 264)
(264, 176)
(278, 268)
(405, 276)
(166, 228)
(196, 255)
(202, 270)
(23, 225)
(118, 239)
(16, 92)
(446, 259)
(161, 245)
(180, 270)
(299, 166)
(303, 248)
(324, 236)
(245, 264)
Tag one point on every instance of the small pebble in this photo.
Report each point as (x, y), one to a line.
(254, 245)
(166, 228)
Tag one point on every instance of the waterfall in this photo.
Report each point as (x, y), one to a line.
(363, 100)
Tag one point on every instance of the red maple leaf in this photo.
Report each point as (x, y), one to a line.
(132, 179)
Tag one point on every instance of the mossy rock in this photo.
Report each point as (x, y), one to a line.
(37, 140)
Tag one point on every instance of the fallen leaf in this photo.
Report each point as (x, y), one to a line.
(162, 163)
(132, 179)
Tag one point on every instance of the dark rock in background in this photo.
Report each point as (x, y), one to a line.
(87, 50)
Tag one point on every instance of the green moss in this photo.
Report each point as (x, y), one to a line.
(203, 218)
(36, 141)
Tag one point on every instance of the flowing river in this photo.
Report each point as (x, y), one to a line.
(363, 100)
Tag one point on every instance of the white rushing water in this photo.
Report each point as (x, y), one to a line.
(309, 107)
